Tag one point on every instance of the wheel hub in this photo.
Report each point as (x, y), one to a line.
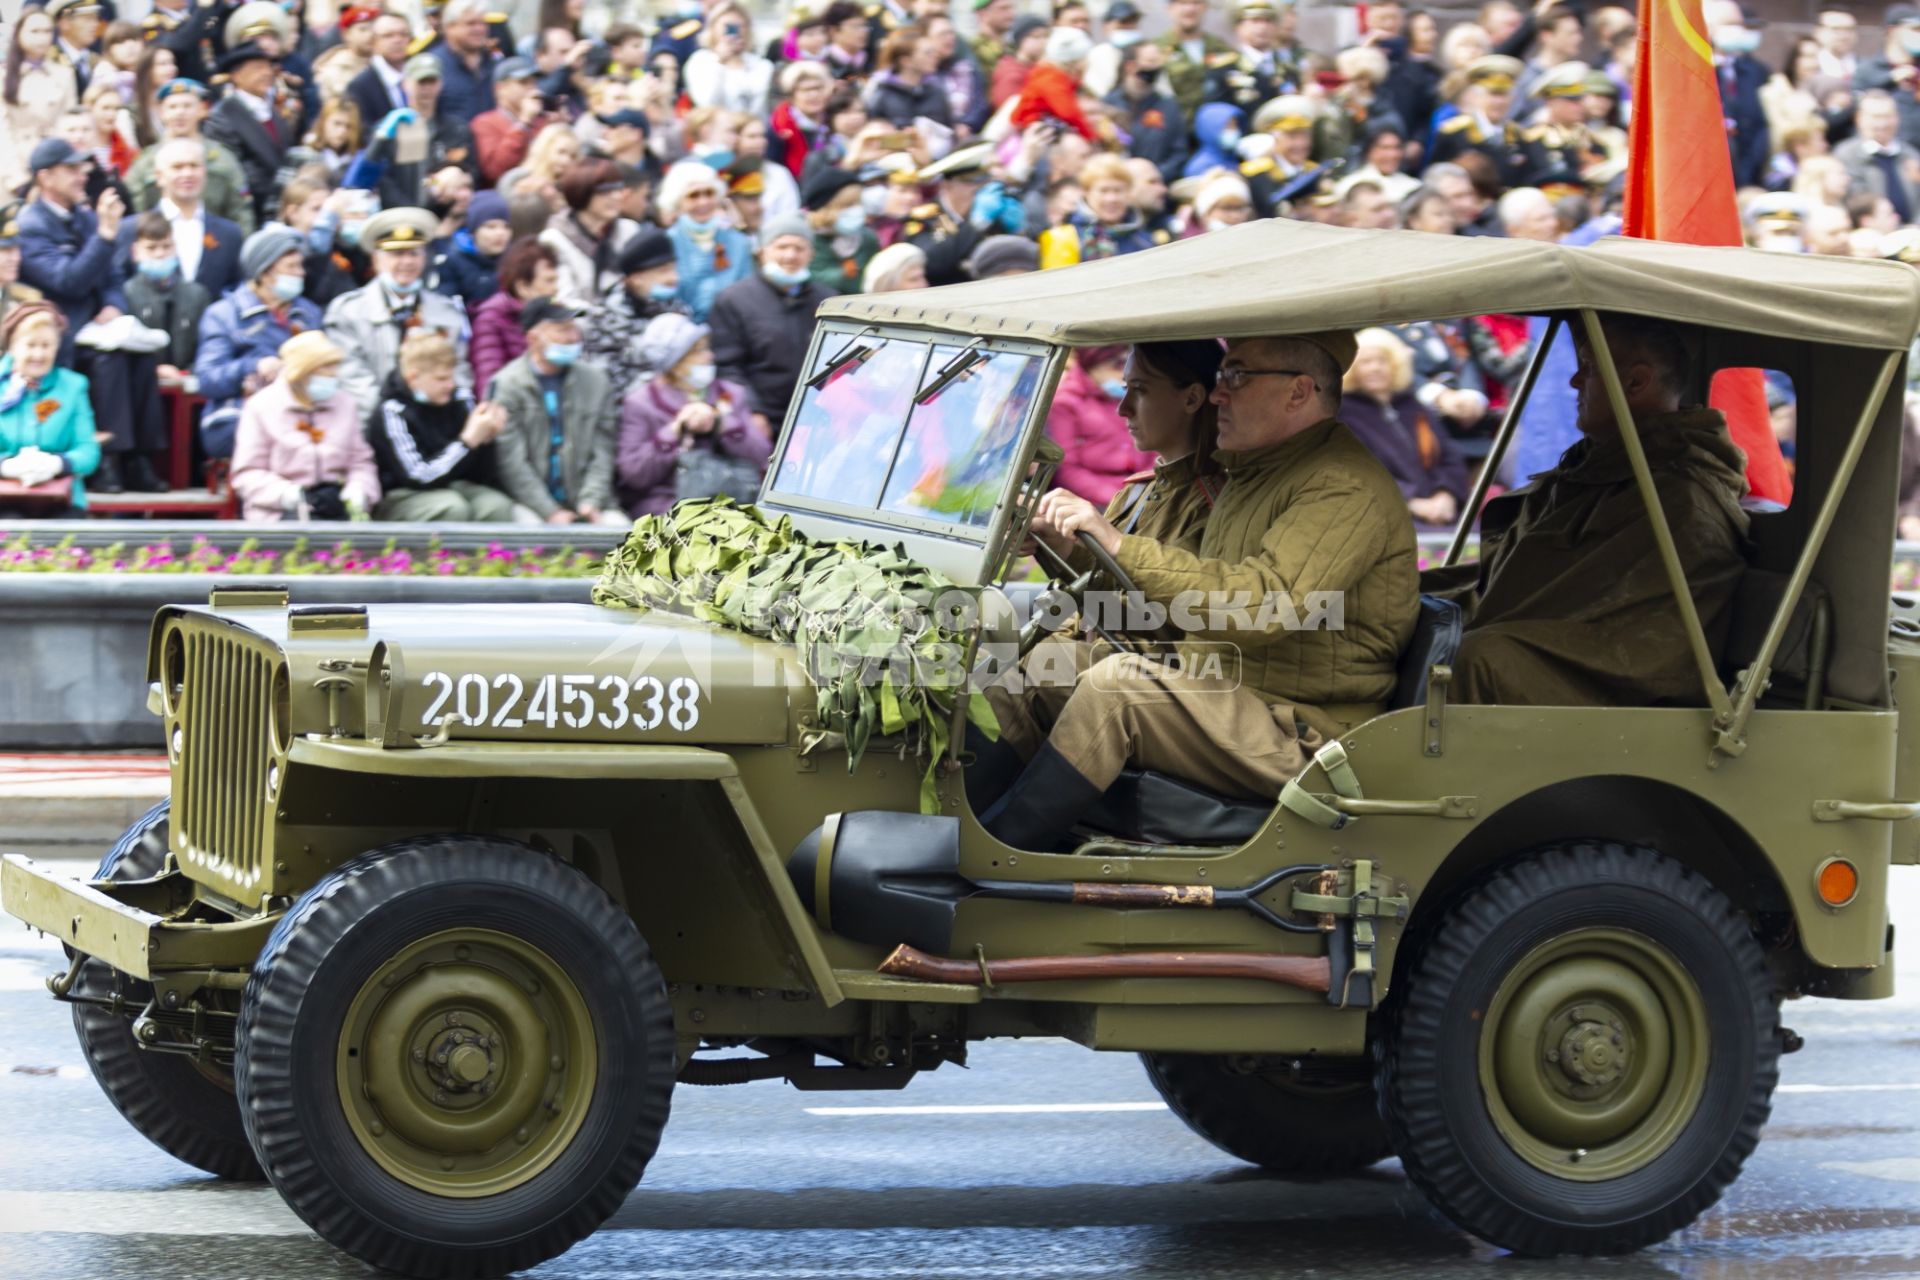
(466, 1062)
(1593, 1053)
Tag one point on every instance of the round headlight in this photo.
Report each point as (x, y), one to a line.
(177, 742)
(173, 670)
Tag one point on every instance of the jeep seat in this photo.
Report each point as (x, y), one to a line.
(1158, 808)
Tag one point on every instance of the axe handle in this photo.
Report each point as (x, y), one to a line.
(1097, 894)
(1309, 973)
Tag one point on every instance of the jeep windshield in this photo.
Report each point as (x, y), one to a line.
(915, 437)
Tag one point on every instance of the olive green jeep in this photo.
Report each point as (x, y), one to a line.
(446, 900)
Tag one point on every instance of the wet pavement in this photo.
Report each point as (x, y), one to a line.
(761, 1182)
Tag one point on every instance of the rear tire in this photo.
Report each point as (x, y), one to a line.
(187, 1110)
(456, 1055)
(1288, 1127)
(1583, 1053)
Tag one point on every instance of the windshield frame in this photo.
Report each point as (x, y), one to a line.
(966, 553)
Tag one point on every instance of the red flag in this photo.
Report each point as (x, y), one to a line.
(1680, 188)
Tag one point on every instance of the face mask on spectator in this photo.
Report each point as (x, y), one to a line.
(160, 268)
(1229, 139)
(700, 376)
(562, 353)
(664, 292)
(1125, 39)
(287, 288)
(350, 231)
(322, 388)
(1114, 388)
(716, 159)
(700, 223)
(784, 278)
(1910, 41)
(873, 200)
(850, 221)
(1736, 39)
(1214, 224)
(406, 290)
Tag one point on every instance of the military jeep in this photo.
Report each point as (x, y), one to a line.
(446, 900)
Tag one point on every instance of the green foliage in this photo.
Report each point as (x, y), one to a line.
(880, 636)
(21, 554)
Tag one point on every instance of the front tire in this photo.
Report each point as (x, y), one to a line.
(1584, 1053)
(1297, 1129)
(456, 1056)
(186, 1109)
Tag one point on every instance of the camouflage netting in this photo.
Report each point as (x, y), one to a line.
(866, 620)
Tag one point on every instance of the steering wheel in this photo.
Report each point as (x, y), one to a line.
(1062, 578)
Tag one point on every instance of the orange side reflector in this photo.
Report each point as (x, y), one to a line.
(1839, 881)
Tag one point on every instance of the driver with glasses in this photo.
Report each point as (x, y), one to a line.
(1302, 585)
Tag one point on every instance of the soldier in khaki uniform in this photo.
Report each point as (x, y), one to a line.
(183, 109)
(1307, 515)
(1570, 604)
(1482, 124)
(1192, 54)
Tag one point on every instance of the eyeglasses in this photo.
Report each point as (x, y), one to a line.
(1236, 378)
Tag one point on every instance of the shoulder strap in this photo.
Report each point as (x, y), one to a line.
(1135, 508)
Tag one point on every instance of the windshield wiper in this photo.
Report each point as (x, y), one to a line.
(843, 357)
(949, 373)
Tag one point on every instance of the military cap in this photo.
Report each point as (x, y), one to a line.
(422, 66)
(238, 56)
(961, 162)
(895, 167)
(257, 18)
(10, 224)
(1186, 190)
(1602, 84)
(61, 8)
(1286, 114)
(1568, 80)
(628, 117)
(547, 311)
(355, 14)
(750, 183)
(182, 84)
(1776, 209)
(1244, 9)
(1496, 71)
(1337, 343)
(399, 229)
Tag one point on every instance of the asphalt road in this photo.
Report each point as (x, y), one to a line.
(1090, 1178)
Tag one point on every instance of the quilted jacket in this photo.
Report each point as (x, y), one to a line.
(1314, 513)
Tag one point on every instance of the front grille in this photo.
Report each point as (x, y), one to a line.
(225, 710)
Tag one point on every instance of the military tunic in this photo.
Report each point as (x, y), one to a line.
(1562, 155)
(1514, 158)
(1188, 78)
(1310, 519)
(946, 240)
(1570, 603)
(1241, 83)
(227, 194)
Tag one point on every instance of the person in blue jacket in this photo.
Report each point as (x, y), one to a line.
(241, 334)
(1217, 125)
(46, 416)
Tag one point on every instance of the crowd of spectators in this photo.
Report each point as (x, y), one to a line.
(453, 271)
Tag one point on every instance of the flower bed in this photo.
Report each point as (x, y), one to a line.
(20, 554)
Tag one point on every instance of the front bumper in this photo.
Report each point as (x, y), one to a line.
(131, 925)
